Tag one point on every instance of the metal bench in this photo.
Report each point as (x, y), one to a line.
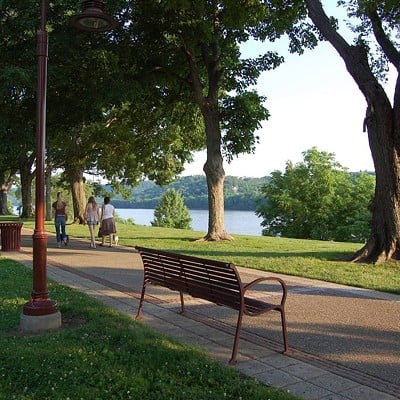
(215, 281)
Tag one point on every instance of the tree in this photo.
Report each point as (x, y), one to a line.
(352, 221)
(5, 185)
(109, 126)
(191, 51)
(88, 87)
(315, 199)
(376, 46)
(17, 88)
(172, 212)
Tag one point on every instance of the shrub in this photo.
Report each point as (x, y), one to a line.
(172, 212)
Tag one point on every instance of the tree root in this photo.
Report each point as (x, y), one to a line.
(214, 237)
(372, 253)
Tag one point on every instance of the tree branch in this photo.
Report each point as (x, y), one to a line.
(197, 87)
(355, 57)
(387, 46)
(322, 22)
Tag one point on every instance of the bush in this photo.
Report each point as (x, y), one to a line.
(317, 199)
(172, 212)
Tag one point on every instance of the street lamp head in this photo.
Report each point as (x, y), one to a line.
(93, 17)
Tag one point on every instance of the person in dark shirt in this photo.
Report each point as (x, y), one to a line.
(60, 219)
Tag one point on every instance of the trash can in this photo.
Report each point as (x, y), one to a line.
(10, 233)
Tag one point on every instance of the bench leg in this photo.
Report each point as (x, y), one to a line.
(233, 360)
(284, 333)
(139, 311)
(182, 303)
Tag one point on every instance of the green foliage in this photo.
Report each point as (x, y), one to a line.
(191, 50)
(172, 212)
(102, 354)
(240, 113)
(91, 79)
(317, 199)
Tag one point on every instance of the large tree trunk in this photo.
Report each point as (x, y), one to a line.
(383, 244)
(6, 179)
(213, 167)
(26, 176)
(47, 179)
(76, 179)
(26, 196)
(383, 124)
(215, 174)
(3, 199)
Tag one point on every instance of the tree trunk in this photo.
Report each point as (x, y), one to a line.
(47, 178)
(213, 168)
(75, 177)
(26, 177)
(383, 244)
(215, 174)
(382, 123)
(26, 196)
(3, 199)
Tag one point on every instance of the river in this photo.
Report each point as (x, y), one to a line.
(239, 222)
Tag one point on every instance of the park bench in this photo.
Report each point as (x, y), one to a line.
(214, 281)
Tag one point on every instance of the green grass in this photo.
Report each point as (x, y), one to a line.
(306, 258)
(9, 218)
(103, 354)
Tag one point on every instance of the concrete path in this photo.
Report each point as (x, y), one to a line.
(345, 340)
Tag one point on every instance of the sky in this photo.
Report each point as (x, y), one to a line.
(313, 101)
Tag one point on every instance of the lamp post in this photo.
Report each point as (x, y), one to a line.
(40, 312)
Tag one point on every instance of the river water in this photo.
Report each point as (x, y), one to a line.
(239, 222)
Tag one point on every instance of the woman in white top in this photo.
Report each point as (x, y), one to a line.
(107, 222)
(92, 219)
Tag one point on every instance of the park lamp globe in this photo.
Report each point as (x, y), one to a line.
(93, 17)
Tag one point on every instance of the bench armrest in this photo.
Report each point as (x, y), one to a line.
(268, 278)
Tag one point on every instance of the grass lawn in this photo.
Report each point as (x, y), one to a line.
(307, 258)
(103, 354)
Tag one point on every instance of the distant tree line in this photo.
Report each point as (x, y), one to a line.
(240, 193)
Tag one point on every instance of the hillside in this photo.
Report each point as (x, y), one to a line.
(240, 193)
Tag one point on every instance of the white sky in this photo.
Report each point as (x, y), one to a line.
(313, 101)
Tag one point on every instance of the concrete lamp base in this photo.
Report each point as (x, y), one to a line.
(40, 323)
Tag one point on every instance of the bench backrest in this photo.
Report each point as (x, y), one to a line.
(216, 281)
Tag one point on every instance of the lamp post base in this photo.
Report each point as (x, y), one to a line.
(40, 323)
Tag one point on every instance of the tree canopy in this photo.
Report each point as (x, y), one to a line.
(190, 50)
(91, 79)
(317, 199)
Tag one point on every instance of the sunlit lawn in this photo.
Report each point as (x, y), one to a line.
(307, 258)
(102, 354)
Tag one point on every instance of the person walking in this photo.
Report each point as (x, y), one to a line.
(107, 222)
(92, 219)
(60, 219)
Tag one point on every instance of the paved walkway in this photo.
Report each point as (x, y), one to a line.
(345, 341)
